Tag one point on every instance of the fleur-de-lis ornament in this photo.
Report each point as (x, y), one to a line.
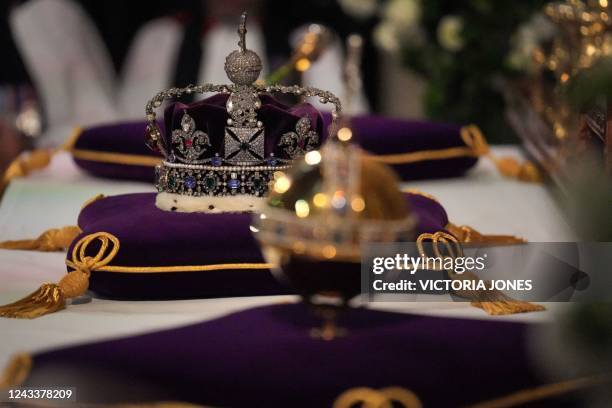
(302, 140)
(188, 141)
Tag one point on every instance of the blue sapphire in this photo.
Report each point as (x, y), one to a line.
(234, 184)
(272, 161)
(190, 182)
(216, 161)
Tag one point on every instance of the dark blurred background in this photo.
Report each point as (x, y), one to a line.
(118, 21)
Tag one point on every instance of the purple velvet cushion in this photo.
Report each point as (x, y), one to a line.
(381, 136)
(264, 357)
(124, 142)
(223, 243)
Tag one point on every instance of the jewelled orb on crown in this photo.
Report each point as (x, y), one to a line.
(221, 153)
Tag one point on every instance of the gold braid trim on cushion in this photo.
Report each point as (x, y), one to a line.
(475, 146)
(106, 157)
(185, 268)
(382, 398)
(493, 302)
(152, 161)
(52, 240)
(16, 371)
(423, 155)
(116, 158)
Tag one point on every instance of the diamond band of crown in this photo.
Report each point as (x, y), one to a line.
(216, 181)
(192, 167)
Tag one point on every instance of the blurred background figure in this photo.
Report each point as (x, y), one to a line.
(92, 62)
(68, 63)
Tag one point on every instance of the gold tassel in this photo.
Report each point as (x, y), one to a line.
(496, 302)
(46, 299)
(501, 306)
(468, 235)
(37, 159)
(16, 371)
(493, 302)
(52, 240)
(507, 166)
(51, 297)
(25, 164)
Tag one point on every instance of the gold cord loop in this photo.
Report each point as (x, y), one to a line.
(493, 302)
(51, 297)
(81, 262)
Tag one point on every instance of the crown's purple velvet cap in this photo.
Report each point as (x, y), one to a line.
(210, 116)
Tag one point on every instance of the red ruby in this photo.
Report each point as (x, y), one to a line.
(188, 142)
